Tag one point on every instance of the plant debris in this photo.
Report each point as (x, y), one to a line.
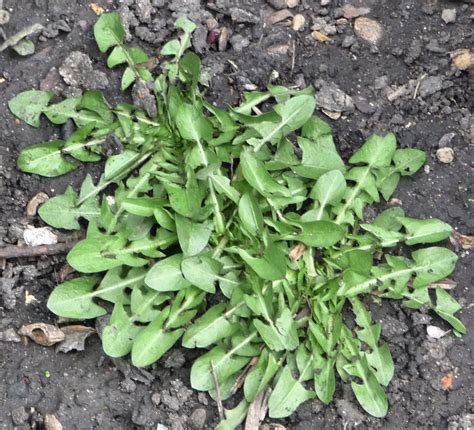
(75, 337)
(42, 334)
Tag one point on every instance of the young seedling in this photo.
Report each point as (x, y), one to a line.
(258, 209)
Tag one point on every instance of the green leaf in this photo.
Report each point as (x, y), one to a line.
(63, 212)
(446, 307)
(257, 176)
(166, 275)
(120, 55)
(425, 231)
(223, 186)
(193, 237)
(318, 158)
(389, 219)
(192, 124)
(45, 159)
(260, 376)
(226, 363)
(185, 24)
(153, 342)
(324, 379)
(171, 48)
(234, 417)
(377, 152)
(432, 264)
(87, 256)
(202, 272)
(408, 160)
(108, 31)
(211, 327)
(250, 214)
(29, 105)
(272, 266)
(60, 112)
(128, 78)
(73, 299)
(329, 190)
(288, 394)
(279, 335)
(320, 233)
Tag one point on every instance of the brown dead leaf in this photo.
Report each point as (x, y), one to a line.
(52, 423)
(98, 10)
(75, 337)
(42, 334)
(461, 240)
(447, 381)
(445, 284)
(33, 204)
(297, 251)
(320, 37)
(331, 114)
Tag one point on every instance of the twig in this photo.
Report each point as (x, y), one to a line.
(17, 251)
(423, 76)
(220, 408)
(293, 57)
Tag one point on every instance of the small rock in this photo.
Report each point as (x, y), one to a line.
(239, 42)
(368, 30)
(277, 4)
(278, 49)
(381, 82)
(39, 236)
(298, 22)
(333, 99)
(128, 386)
(350, 12)
(325, 2)
(223, 39)
(363, 105)
(170, 401)
(448, 16)
(211, 24)
(348, 41)
(9, 335)
(446, 140)
(462, 59)
(19, 416)
(53, 81)
(292, 3)
(156, 399)
(431, 85)
(279, 16)
(143, 10)
(52, 423)
(161, 427)
(243, 16)
(198, 418)
(445, 155)
(435, 332)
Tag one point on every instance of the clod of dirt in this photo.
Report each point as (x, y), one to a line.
(144, 10)
(19, 416)
(8, 293)
(75, 337)
(350, 12)
(431, 85)
(332, 98)
(39, 236)
(33, 204)
(242, 16)
(349, 413)
(143, 97)
(462, 59)
(436, 332)
(9, 335)
(448, 16)
(52, 423)
(368, 30)
(239, 42)
(77, 71)
(445, 155)
(298, 22)
(42, 334)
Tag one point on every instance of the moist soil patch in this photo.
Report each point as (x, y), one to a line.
(402, 81)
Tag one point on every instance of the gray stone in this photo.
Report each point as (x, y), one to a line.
(363, 105)
(368, 30)
(348, 41)
(431, 85)
(448, 16)
(239, 42)
(156, 399)
(9, 335)
(19, 416)
(243, 16)
(446, 140)
(381, 82)
(277, 4)
(144, 10)
(332, 98)
(170, 401)
(198, 418)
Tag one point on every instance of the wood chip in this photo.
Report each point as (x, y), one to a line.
(320, 37)
(297, 252)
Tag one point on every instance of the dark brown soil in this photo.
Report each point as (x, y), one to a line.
(86, 390)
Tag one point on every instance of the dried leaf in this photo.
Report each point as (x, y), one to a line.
(33, 204)
(75, 337)
(39, 236)
(98, 10)
(320, 37)
(330, 114)
(42, 334)
(436, 332)
(461, 240)
(445, 284)
(447, 381)
(30, 298)
(296, 253)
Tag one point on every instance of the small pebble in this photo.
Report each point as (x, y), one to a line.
(445, 155)
(448, 16)
(368, 29)
(298, 22)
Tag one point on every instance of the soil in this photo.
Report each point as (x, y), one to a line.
(404, 83)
